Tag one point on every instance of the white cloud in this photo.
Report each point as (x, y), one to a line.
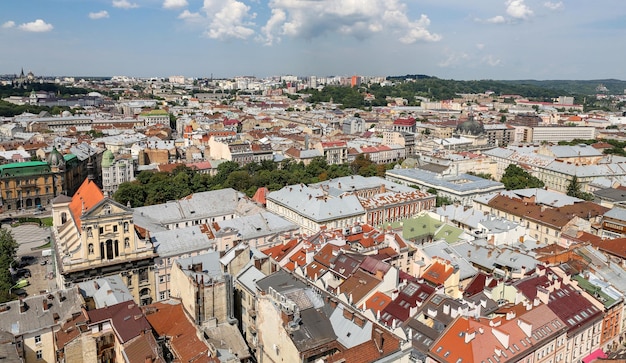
(272, 27)
(190, 17)
(99, 15)
(124, 4)
(360, 19)
(498, 19)
(228, 19)
(554, 6)
(480, 46)
(8, 24)
(518, 10)
(174, 4)
(491, 60)
(37, 26)
(454, 58)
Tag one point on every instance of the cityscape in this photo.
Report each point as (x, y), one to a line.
(326, 181)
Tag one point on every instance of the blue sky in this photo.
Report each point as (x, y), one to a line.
(460, 39)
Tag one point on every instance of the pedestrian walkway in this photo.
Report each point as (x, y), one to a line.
(29, 236)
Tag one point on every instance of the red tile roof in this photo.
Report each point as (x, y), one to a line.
(169, 320)
(438, 272)
(378, 302)
(87, 196)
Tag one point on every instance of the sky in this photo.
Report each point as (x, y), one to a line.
(451, 39)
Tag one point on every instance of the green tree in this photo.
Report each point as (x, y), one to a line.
(574, 190)
(132, 192)
(517, 178)
(8, 250)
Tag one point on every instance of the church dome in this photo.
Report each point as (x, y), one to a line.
(55, 159)
(107, 158)
(471, 127)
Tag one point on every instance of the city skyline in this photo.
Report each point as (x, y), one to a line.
(495, 39)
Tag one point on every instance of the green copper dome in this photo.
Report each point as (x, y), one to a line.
(107, 158)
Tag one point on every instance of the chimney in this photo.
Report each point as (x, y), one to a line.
(23, 306)
(45, 304)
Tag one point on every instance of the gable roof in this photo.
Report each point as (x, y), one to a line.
(170, 320)
(126, 317)
(85, 198)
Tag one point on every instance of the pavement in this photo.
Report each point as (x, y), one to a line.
(29, 237)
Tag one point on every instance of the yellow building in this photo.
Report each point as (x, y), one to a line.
(95, 236)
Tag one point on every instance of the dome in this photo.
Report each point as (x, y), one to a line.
(107, 158)
(471, 127)
(66, 114)
(55, 159)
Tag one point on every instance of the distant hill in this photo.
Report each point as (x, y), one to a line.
(580, 87)
(526, 87)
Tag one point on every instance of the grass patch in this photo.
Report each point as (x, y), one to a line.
(43, 246)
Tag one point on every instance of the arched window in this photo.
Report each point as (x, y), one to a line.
(63, 218)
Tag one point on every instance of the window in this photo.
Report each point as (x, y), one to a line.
(37, 339)
(126, 242)
(114, 228)
(90, 247)
(39, 354)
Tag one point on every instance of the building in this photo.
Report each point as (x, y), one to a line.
(298, 324)
(115, 172)
(205, 291)
(154, 117)
(94, 236)
(34, 320)
(461, 188)
(33, 184)
(335, 152)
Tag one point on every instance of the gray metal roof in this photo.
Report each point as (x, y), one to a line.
(258, 225)
(461, 183)
(542, 196)
(316, 203)
(179, 241)
(196, 206)
(443, 250)
(35, 319)
(249, 276)
(348, 333)
(211, 266)
(616, 213)
(353, 183)
(106, 291)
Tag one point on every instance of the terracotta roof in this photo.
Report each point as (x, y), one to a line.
(326, 254)
(314, 270)
(70, 330)
(144, 349)
(380, 345)
(87, 196)
(377, 302)
(169, 320)
(278, 252)
(260, 195)
(438, 272)
(357, 286)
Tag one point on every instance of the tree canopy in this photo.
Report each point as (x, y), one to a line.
(8, 250)
(158, 187)
(517, 178)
